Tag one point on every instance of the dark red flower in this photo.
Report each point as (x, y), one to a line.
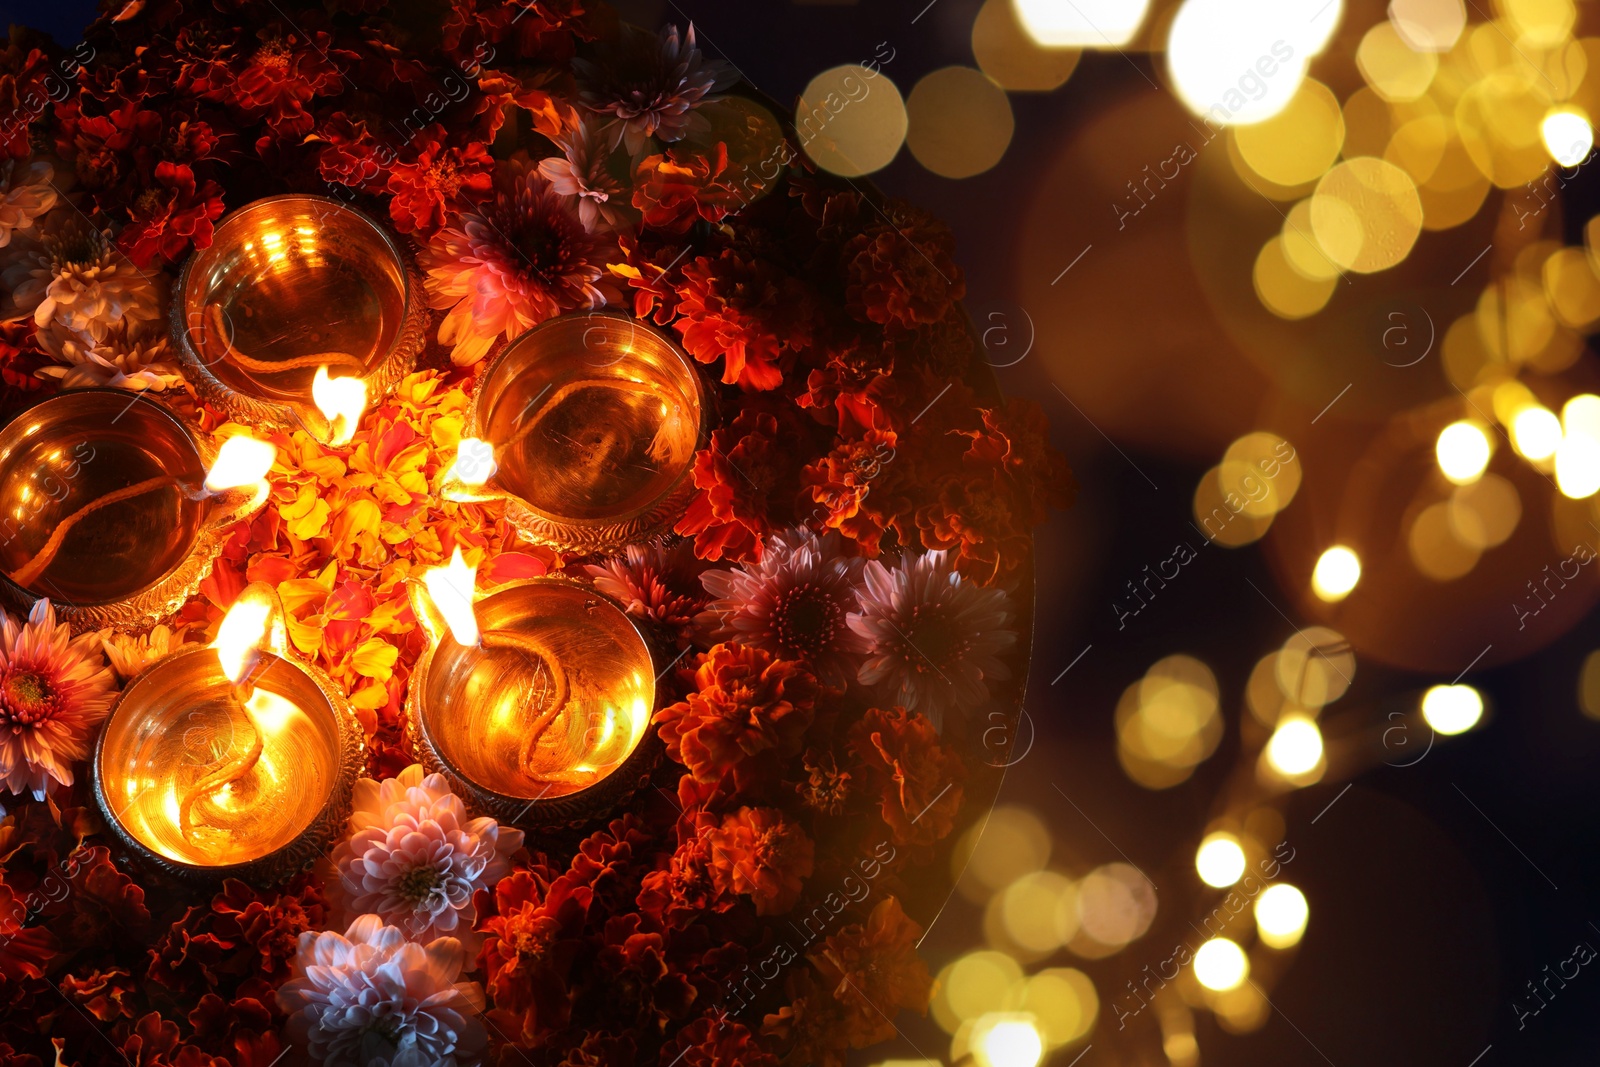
(758, 852)
(533, 932)
(684, 890)
(874, 971)
(745, 704)
(434, 177)
(900, 757)
(745, 310)
(841, 482)
(171, 217)
(715, 1042)
(745, 480)
(901, 272)
(103, 994)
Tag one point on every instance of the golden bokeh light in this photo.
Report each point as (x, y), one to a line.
(1220, 515)
(1211, 42)
(1221, 965)
(1295, 750)
(1009, 1040)
(1452, 709)
(1463, 451)
(1082, 23)
(998, 850)
(1485, 514)
(1168, 722)
(851, 120)
(1540, 23)
(974, 985)
(1284, 290)
(1428, 25)
(1300, 246)
(1031, 909)
(1337, 572)
(1220, 860)
(1589, 686)
(1314, 667)
(958, 122)
(1297, 145)
(1063, 1003)
(1572, 287)
(1395, 71)
(1366, 214)
(1535, 432)
(1437, 550)
(1261, 470)
(1007, 53)
(1281, 914)
(1568, 137)
(1578, 456)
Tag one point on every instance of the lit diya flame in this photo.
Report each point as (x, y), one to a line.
(241, 461)
(238, 647)
(474, 463)
(451, 589)
(341, 401)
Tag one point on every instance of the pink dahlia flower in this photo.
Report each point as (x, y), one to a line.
(54, 690)
(794, 604)
(933, 639)
(519, 259)
(370, 998)
(652, 85)
(414, 859)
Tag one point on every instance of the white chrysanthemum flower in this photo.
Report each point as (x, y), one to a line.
(102, 320)
(26, 192)
(794, 604)
(415, 859)
(370, 998)
(934, 639)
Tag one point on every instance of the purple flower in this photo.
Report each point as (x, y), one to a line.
(652, 85)
(934, 640)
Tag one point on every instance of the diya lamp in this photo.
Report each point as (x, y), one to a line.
(586, 428)
(300, 313)
(534, 700)
(230, 759)
(113, 509)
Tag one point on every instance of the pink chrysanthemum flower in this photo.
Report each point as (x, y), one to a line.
(794, 603)
(54, 690)
(370, 998)
(27, 191)
(652, 85)
(582, 174)
(414, 858)
(520, 259)
(934, 640)
(654, 582)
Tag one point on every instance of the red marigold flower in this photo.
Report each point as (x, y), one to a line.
(282, 75)
(900, 756)
(684, 891)
(810, 1028)
(101, 993)
(758, 852)
(23, 97)
(171, 217)
(875, 971)
(715, 1042)
(24, 951)
(744, 476)
(746, 310)
(745, 703)
(841, 482)
(531, 941)
(436, 175)
(901, 272)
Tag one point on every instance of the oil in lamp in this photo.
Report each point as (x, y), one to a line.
(229, 759)
(535, 700)
(586, 427)
(111, 508)
(300, 312)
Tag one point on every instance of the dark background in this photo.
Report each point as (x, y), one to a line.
(1426, 920)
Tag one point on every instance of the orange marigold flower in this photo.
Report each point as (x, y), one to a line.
(745, 486)
(746, 704)
(714, 1042)
(875, 971)
(919, 777)
(759, 852)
